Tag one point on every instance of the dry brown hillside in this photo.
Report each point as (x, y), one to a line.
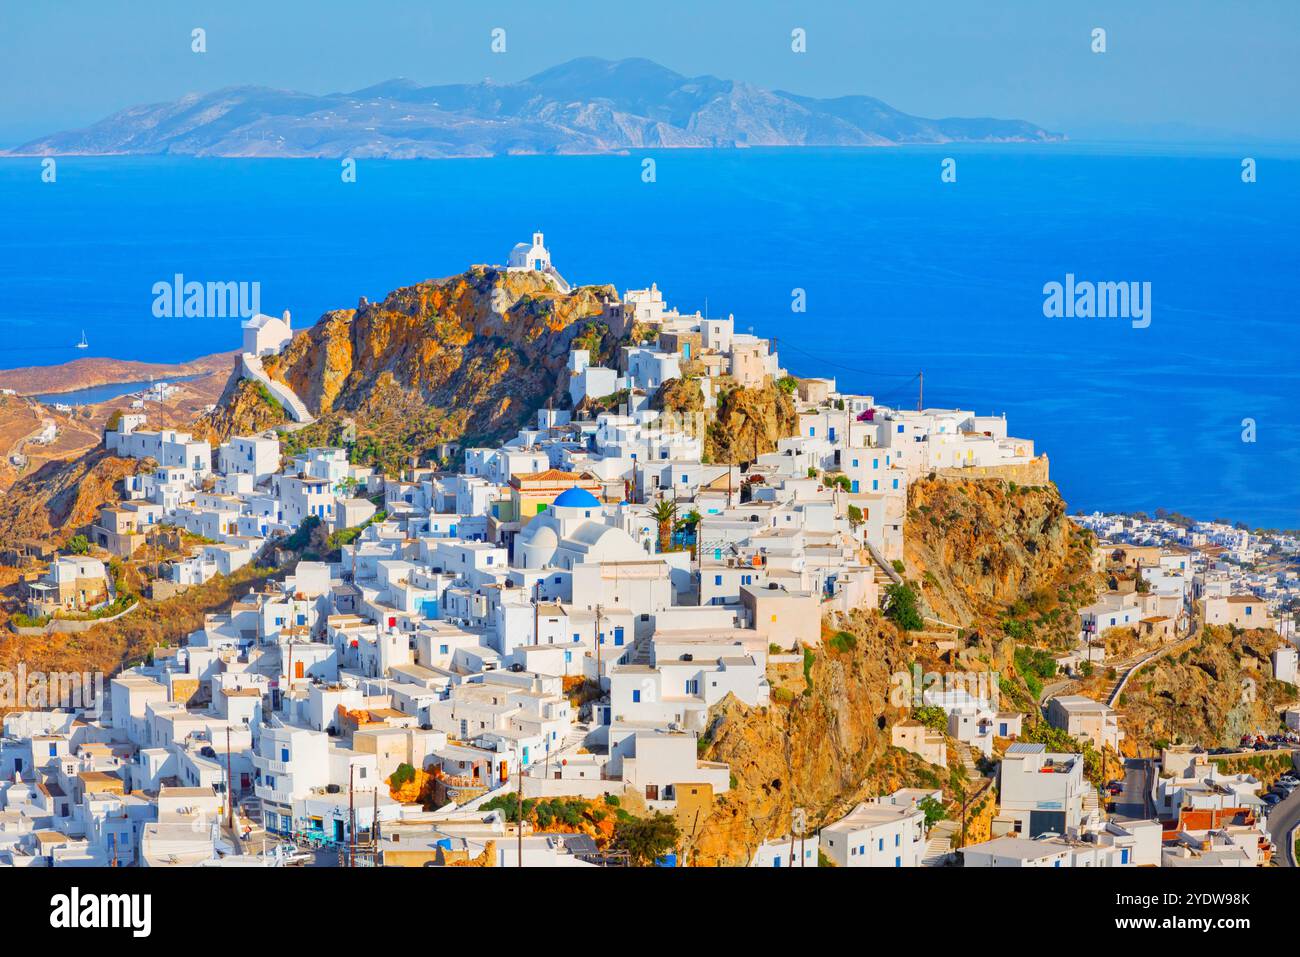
(746, 423)
(1209, 695)
(992, 554)
(485, 347)
(61, 497)
(999, 558)
(109, 646)
(813, 751)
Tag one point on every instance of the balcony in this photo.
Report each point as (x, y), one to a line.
(270, 766)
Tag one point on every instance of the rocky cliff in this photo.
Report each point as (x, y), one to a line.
(992, 554)
(467, 358)
(814, 751)
(745, 422)
(61, 497)
(245, 408)
(1210, 695)
(993, 557)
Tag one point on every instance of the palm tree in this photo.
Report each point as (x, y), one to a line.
(664, 513)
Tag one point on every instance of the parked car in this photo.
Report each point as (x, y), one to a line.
(1271, 799)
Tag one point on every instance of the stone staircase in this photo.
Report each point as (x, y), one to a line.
(967, 756)
(576, 735)
(1091, 801)
(938, 845)
(253, 369)
(640, 654)
(885, 573)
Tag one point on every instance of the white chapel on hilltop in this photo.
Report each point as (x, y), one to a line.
(266, 335)
(535, 258)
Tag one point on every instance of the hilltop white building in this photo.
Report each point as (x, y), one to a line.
(266, 335)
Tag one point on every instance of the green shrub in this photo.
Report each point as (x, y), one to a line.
(843, 642)
(932, 717)
(934, 811)
(901, 607)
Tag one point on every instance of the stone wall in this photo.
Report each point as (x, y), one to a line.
(1033, 472)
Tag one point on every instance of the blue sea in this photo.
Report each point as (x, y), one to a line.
(901, 273)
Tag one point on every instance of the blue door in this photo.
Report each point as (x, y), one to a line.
(618, 634)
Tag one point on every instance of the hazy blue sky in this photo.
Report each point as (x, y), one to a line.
(1210, 65)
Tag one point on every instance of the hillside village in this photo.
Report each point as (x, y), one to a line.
(559, 619)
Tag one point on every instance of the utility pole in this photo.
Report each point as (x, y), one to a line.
(288, 676)
(695, 827)
(374, 827)
(519, 830)
(798, 822)
(537, 611)
(598, 685)
(352, 820)
(230, 788)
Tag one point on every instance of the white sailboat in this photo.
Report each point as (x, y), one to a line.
(83, 344)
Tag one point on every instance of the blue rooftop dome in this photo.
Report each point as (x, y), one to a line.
(576, 498)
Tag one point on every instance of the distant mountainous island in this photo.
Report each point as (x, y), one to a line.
(588, 105)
